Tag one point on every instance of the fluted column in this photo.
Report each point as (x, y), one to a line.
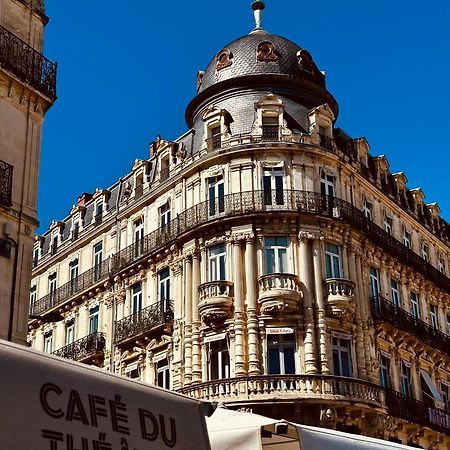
(309, 326)
(252, 317)
(239, 324)
(321, 321)
(360, 353)
(188, 322)
(196, 350)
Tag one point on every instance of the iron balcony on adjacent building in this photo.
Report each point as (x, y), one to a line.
(86, 349)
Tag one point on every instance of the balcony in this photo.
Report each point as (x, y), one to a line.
(164, 174)
(270, 132)
(6, 178)
(214, 142)
(279, 293)
(340, 294)
(215, 302)
(384, 311)
(143, 322)
(89, 348)
(327, 142)
(27, 64)
(417, 412)
(267, 388)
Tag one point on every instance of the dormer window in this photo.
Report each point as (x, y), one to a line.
(75, 229)
(139, 186)
(164, 169)
(54, 244)
(98, 211)
(270, 127)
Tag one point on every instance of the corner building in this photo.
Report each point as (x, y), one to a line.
(263, 259)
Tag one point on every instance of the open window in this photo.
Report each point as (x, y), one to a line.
(217, 127)
(218, 360)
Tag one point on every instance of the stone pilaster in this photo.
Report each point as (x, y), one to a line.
(188, 321)
(196, 347)
(239, 322)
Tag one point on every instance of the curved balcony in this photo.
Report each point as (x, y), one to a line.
(322, 388)
(215, 301)
(88, 348)
(279, 293)
(340, 298)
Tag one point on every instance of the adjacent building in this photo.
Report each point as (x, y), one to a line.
(27, 90)
(265, 259)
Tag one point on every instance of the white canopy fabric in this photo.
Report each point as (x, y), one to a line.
(233, 430)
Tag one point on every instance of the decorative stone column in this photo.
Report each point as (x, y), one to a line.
(239, 323)
(252, 316)
(196, 349)
(188, 321)
(321, 320)
(308, 314)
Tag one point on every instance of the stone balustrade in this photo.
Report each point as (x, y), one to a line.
(215, 301)
(340, 298)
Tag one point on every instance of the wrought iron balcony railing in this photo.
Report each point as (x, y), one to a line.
(267, 387)
(327, 142)
(418, 412)
(385, 311)
(143, 321)
(83, 348)
(6, 178)
(271, 132)
(27, 64)
(138, 191)
(254, 202)
(214, 142)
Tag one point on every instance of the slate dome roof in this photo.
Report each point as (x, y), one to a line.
(260, 53)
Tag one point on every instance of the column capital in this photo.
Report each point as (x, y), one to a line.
(308, 235)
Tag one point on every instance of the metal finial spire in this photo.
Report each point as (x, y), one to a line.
(258, 8)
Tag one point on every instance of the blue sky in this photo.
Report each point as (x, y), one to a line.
(127, 70)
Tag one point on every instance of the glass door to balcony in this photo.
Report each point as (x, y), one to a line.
(93, 319)
(219, 360)
(281, 354)
(273, 186)
(73, 267)
(333, 263)
(216, 195)
(395, 293)
(276, 254)
(163, 373)
(138, 237)
(98, 258)
(164, 289)
(374, 282)
(342, 360)
(136, 298)
(216, 266)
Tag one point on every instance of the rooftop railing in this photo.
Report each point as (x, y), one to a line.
(145, 320)
(83, 348)
(385, 311)
(6, 179)
(27, 64)
(255, 202)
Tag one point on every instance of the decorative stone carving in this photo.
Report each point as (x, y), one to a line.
(215, 302)
(266, 52)
(200, 75)
(224, 59)
(340, 299)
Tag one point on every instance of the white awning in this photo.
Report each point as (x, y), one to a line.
(436, 394)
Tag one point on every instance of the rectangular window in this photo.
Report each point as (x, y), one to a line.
(164, 289)
(395, 293)
(163, 374)
(164, 215)
(273, 186)
(445, 392)
(70, 332)
(219, 360)
(215, 139)
(48, 342)
(52, 286)
(35, 257)
(374, 282)
(448, 325)
(281, 354)
(405, 379)
(98, 208)
(342, 360)
(93, 319)
(138, 237)
(33, 295)
(98, 258)
(406, 238)
(424, 252)
(415, 307)
(75, 230)
(388, 225)
(441, 265)
(270, 127)
(327, 184)
(136, 298)
(385, 364)
(368, 209)
(333, 262)
(54, 245)
(216, 264)
(434, 317)
(276, 254)
(216, 195)
(73, 276)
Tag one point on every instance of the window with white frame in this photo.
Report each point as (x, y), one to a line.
(73, 275)
(216, 263)
(216, 195)
(273, 181)
(164, 215)
(441, 265)
(388, 224)
(342, 355)
(33, 295)
(395, 293)
(52, 285)
(415, 306)
(424, 252)
(93, 319)
(138, 236)
(281, 354)
(405, 379)
(333, 261)
(54, 243)
(368, 209)
(164, 288)
(136, 298)
(327, 184)
(98, 208)
(218, 360)
(374, 277)
(132, 371)
(36, 254)
(75, 229)
(434, 317)
(276, 254)
(98, 258)
(70, 332)
(270, 126)
(385, 366)
(406, 238)
(215, 137)
(163, 373)
(48, 342)
(445, 392)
